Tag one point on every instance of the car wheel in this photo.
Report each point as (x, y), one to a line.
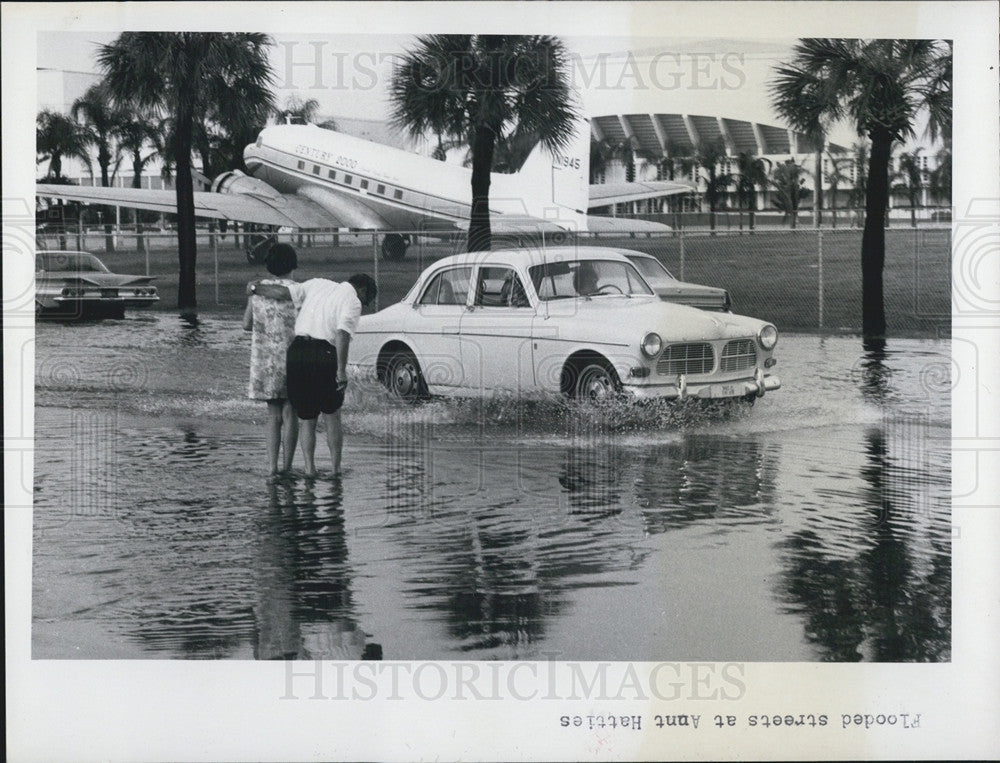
(393, 247)
(403, 377)
(596, 382)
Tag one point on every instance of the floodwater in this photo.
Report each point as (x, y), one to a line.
(814, 526)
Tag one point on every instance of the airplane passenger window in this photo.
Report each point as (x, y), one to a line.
(333, 174)
(315, 169)
(380, 189)
(397, 194)
(364, 184)
(301, 165)
(348, 179)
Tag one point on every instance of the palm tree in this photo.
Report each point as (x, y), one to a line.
(59, 136)
(710, 155)
(602, 153)
(752, 171)
(859, 191)
(183, 75)
(99, 120)
(911, 173)
(134, 135)
(788, 179)
(484, 87)
(880, 85)
(940, 179)
(836, 177)
(297, 110)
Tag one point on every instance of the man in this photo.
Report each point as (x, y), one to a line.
(317, 357)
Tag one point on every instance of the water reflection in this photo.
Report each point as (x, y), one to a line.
(885, 594)
(707, 478)
(485, 533)
(304, 608)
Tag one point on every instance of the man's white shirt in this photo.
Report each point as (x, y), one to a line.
(325, 307)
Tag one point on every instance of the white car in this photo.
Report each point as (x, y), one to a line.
(576, 320)
(670, 289)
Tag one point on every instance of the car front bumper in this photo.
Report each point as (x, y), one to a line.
(682, 389)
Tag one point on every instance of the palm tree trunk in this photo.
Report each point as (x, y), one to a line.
(818, 189)
(140, 238)
(483, 143)
(109, 240)
(873, 241)
(187, 246)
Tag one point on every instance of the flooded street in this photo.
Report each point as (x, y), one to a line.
(814, 526)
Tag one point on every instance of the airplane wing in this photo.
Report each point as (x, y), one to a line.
(283, 210)
(605, 194)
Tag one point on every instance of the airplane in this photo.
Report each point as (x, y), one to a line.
(308, 177)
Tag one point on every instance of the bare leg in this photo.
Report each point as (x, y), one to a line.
(273, 434)
(289, 435)
(334, 438)
(307, 437)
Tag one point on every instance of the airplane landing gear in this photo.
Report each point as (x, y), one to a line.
(394, 246)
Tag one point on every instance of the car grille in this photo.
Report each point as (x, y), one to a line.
(686, 359)
(739, 355)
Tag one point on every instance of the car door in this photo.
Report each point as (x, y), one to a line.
(434, 330)
(496, 332)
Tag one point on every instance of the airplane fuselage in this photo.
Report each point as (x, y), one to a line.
(369, 185)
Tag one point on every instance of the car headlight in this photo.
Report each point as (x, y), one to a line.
(768, 337)
(651, 345)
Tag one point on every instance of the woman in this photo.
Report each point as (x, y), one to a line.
(273, 325)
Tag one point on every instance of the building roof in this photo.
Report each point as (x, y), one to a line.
(654, 134)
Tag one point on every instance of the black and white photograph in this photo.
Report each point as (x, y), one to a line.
(501, 381)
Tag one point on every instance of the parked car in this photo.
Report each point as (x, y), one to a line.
(576, 320)
(78, 284)
(668, 288)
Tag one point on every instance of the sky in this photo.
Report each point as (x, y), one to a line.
(354, 70)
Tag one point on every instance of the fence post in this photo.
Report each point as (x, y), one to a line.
(682, 256)
(146, 250)
(378, 286)
(819, 269)
(79, 233)
(215, 259)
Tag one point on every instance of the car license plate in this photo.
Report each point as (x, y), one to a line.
(109, 293)
(725, 390)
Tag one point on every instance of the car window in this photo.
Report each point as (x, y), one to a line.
(500, 287)
(652, 269)
(60, 261)
(449, 287)
(587, 278)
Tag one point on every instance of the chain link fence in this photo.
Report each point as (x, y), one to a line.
(806, 280)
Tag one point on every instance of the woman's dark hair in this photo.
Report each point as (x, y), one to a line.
(281, 260)
(364, 281)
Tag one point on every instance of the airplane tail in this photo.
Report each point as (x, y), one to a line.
(558, 184)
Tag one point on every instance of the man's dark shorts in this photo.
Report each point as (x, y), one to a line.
(312, 377)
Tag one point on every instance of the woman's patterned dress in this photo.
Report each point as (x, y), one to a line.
(273, 331)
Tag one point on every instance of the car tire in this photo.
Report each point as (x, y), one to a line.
(393, 247)
(402, 376)
(596, 382)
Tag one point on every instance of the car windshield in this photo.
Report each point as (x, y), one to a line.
(587, 278)
(652, 270)
(78, 262)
